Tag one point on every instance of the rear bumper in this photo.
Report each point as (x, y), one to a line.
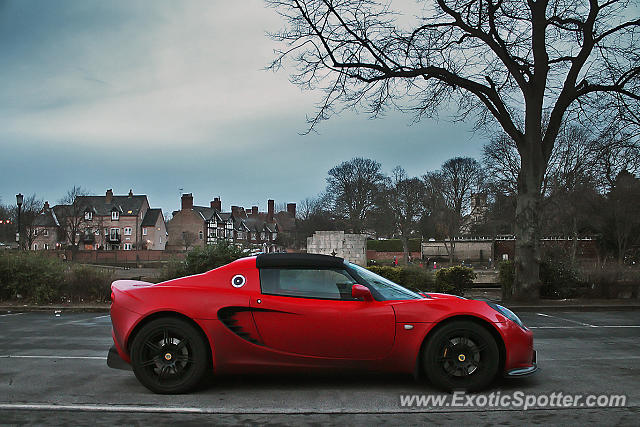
(115, 361)
(523, 372)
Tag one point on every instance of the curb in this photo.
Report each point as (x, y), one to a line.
(580, 307)
(44, 308)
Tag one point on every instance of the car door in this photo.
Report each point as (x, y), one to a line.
(311, 312)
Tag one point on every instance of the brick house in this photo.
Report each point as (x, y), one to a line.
(202, 225)
(108, 222)
(114, 222)
(46, 229)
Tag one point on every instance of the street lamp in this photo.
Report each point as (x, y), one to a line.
(19, 200)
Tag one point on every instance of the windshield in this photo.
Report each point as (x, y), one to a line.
(385, 287)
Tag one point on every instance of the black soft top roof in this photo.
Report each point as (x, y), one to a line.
(298, 260)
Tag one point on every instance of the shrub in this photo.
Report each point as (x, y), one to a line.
(506, 276)
(456, 278)
(30, 275)
(41, 278)
(86, 283)
(201, 259)
(559, 280)
(413, 278)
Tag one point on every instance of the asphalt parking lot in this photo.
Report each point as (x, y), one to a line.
(53, 371)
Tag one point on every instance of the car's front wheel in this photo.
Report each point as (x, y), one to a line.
(461, 355)
(169, 356)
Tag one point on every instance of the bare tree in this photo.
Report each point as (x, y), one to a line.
(526, 66)
(450, 190)
(404, 197)
(72, 218)
(354, 186)
(624, 213)
(31, 208)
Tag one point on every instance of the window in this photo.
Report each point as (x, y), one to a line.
(127, 246)
(144, 231)
(45, 232)
(308, 283)
(274, 236)
(97, 232)
(46, 246)
(35, 232)
(106, 231)
(114, 234)
(383, 287)
(115, 215)
(200, 235)
(127, 231)
(88, 215)
(35, 246)
(263, 236)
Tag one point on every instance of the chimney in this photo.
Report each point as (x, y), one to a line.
(109, 196)
(45, 208)
(270, 209)
(254, 210)
(235, 210)
(291, 208)
(130, 193)
(216, 204)
(187, 201)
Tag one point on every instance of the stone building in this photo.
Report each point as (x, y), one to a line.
(352, 247)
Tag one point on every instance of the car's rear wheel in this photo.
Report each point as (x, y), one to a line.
(461, 355)
(169, 356)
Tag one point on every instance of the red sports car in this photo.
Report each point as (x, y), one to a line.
(287, 312)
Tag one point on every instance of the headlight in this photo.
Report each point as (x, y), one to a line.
(508, 314)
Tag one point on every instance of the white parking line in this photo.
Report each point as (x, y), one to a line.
(567, 320)
(12, 356)
(11, 314)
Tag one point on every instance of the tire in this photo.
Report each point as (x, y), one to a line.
(169, 356)
(461, 355)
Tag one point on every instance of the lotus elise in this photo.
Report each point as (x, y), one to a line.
(304, 312)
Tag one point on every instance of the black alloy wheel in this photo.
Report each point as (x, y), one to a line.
(462, 355)
(169, 356)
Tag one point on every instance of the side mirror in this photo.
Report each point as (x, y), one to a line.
(359, 291)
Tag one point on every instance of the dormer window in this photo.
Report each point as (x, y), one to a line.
(115, 215)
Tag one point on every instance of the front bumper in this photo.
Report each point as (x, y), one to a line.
(115, 361)
(523, 372)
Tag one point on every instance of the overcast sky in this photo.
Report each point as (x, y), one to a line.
(159, 96)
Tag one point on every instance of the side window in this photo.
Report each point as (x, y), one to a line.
(307, 283)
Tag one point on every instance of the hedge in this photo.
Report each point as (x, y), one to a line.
(40, 278)
(201, 259)
(392, 245)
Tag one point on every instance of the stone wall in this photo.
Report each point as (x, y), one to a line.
(352, 247)
(471, 250)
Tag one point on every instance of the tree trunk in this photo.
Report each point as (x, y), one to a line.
(405, 249)
(574, 242)
(527, 255)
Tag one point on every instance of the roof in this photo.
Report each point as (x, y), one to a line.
(151, 217)
(46, 219)
(298, 260)
(285, 221)
(123, 204)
